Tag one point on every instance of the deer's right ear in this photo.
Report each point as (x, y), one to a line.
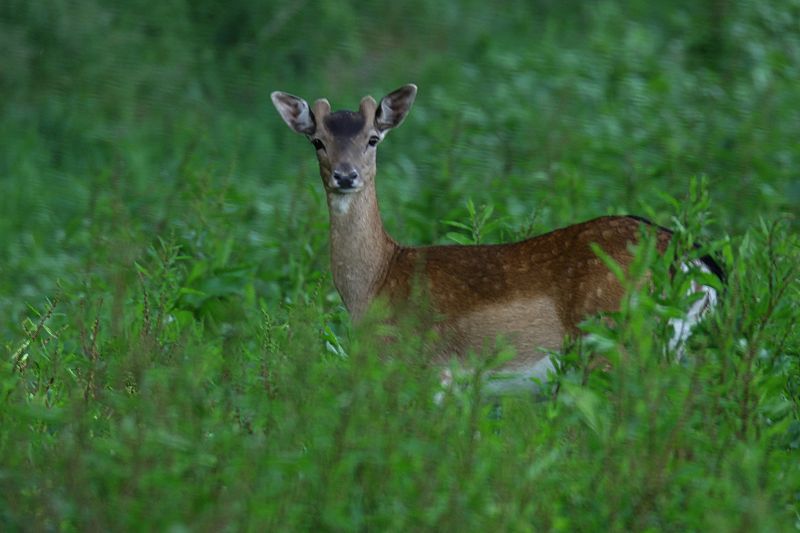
(295, 112)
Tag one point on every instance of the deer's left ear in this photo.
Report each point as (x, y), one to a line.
(294, 112)
(394, 107)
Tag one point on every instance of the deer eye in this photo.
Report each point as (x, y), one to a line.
(318, 144)
(374, 140)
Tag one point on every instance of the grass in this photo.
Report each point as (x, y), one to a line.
(176, 357)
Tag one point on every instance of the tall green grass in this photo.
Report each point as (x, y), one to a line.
(176, 357)
(163, 412)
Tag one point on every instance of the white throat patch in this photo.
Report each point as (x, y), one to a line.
(340, 203)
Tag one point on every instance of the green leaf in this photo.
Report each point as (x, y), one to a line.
(459, 238)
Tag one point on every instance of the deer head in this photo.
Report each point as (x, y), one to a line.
(345, 141)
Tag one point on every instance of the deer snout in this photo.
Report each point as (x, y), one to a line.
(345, 178)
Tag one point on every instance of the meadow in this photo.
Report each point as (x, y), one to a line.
(175, 356)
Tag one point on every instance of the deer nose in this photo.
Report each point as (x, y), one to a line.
(345, 179)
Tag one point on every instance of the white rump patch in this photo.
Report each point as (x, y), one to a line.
(682, 327)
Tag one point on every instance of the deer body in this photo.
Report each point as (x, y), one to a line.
(532, 292)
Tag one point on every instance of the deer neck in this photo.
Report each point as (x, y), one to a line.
(360, 247)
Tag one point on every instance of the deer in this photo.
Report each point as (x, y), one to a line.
(533, 293)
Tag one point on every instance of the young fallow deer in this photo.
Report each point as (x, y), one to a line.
(533, 292)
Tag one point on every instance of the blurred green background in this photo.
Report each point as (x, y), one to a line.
(116, 117)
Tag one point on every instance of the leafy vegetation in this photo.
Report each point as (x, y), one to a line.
(176, 357)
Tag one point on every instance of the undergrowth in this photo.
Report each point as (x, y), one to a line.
(229, 412)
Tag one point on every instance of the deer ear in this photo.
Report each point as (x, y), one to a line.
(295, 112)
(394, 107)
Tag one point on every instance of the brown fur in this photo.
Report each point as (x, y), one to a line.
(532, 292)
